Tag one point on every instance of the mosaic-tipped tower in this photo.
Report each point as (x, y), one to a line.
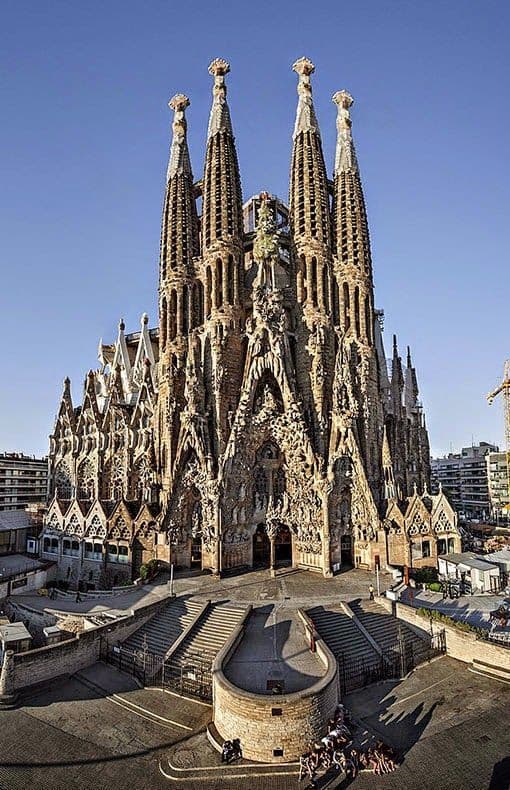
(222, 260)
(180, 291)
(309, 212)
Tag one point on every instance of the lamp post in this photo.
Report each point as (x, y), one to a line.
(172, 541)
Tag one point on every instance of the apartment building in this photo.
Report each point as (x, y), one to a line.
(464, 479)
(23, 480)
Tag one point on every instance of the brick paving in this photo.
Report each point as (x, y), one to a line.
(450, 725)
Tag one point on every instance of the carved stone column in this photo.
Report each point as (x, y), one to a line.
(218, 560)
(326, 538)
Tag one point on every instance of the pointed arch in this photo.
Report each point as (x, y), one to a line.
(63, 481)
(86, 481)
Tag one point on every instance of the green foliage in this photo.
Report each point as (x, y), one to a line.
(434, 586)
(446, 620)
(148, 570)
(425, 575)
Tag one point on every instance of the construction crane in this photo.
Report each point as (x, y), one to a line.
(504, 387)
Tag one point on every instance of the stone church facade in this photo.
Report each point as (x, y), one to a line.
(260, 423)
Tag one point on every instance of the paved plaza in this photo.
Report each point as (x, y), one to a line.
(98, 730)
(301, 587)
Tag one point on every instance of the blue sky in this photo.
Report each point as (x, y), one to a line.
(84, 142)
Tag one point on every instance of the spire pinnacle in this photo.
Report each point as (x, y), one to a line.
(219, 119)
(305, 115)
(409, 360)
(179, 161)
(345, 155)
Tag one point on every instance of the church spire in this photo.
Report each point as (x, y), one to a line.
(222, 217)
(352, 241)
(179, 235)
(351, 245)
(309, 200)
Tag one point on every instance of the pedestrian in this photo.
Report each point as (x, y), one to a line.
(371, 591)
(78, 597)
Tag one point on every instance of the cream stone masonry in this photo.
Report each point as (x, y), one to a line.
(259, 423)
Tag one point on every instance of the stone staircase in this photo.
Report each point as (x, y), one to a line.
(206, 638)
(385, 629)
(342, 635)
(161, 631)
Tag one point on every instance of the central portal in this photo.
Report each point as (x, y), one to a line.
(283, 546)
(261, 547)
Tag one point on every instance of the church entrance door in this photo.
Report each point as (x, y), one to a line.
(261, 547)
(196, 551)
(346, 550)
(283, 546)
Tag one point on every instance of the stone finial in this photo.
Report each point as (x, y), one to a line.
(345, 156)
(219, 120)
(179, 161)
(179, 102)
(343, 99)
(303, 66)
(305, 114)
(145, 319)
(218, 67)
(122, 325)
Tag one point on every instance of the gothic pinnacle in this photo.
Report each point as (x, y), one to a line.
(179, 161)
(219, 120)
(345, 155)
(305, 115)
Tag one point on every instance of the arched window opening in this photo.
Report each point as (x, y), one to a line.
(185, 310)
(347, 307)
(336, 303)
(356, 312)
(230, 280)
(314, 281)
(208, 292)
(325, 288)
(368, 320)
(163, 323)
(63, 482)
(172, 317)
(219, 282)
(86, 481)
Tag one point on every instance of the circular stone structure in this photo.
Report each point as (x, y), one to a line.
(273, 727)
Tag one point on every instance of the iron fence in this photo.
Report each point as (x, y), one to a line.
(395, 662)
(191, 677)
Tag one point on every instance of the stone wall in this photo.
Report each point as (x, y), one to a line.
(462, 645)
(273, 728)
(64, 658)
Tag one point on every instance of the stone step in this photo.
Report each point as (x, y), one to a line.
(208, 635)
(341, 634)
(162, 630)
(383, 627)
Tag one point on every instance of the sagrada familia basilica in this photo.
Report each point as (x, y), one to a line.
(259, 424)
